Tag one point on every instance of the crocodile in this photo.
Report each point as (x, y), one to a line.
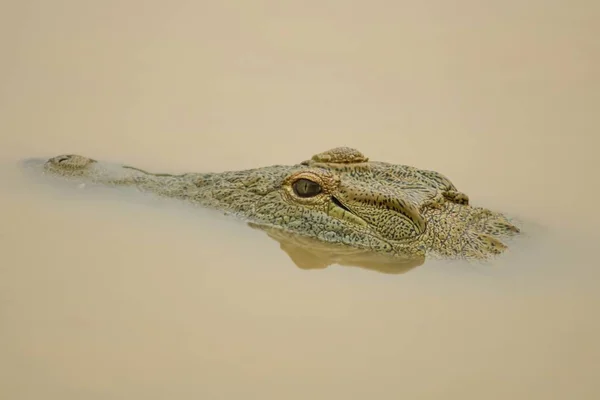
(337, 197)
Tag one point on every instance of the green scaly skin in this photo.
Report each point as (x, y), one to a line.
(379, 207)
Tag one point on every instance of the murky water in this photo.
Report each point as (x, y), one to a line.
(107, 294)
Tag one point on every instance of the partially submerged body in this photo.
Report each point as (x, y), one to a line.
(338, 197)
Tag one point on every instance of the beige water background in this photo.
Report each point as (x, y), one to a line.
(107, 296)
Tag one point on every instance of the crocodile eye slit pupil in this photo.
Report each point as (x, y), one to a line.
(306, 188)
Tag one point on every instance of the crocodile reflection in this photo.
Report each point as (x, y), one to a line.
(312, 254)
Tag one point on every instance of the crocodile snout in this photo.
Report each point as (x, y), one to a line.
(70, 161)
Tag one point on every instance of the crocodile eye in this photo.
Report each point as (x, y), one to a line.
(306, 188)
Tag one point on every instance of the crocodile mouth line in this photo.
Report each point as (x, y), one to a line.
(340, 205)
(338, 210)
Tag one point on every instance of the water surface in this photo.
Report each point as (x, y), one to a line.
(107, 294)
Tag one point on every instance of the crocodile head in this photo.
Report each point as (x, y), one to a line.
(337, 196)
